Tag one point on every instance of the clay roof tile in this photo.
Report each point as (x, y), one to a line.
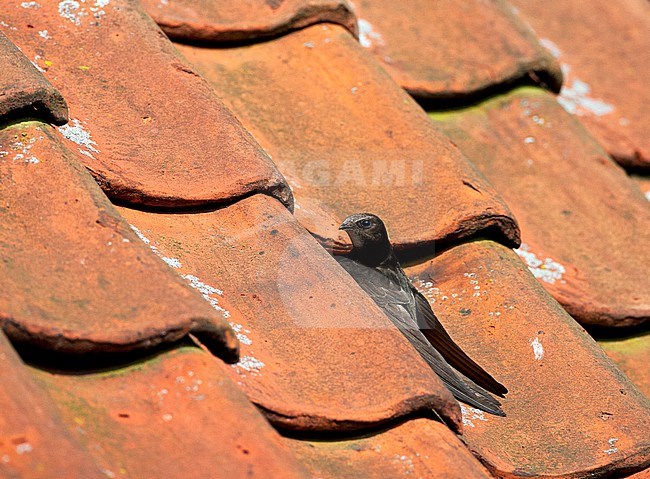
(75, 276)
(250, 20)
(454, 49)
(144, 123)
(24, 91)
(570, 411)
(585, 226)
(349, 139)
(316, 353)
(603, 48)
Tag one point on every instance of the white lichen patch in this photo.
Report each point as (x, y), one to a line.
(75, 132)
(239, 332)
(551, 47)
(538, 349)
(575, 96)
(547, 270)
(20, 151)
(24, 447)
(77, 10)
(207, 291)
(35, 63)
(44, 34)
(172, 262)
(406, 462)
(471, 414)
(249, 364)
(612, 448)
(32, 5)
(368, 36)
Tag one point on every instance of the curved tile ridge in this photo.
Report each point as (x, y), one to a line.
(316, 353)
(570, 412)
(609, 96)
(453, 49)
(418, 448)
(148, 127)
(585, 225)
(236, 20)
(24, 91)
(174, 415)
(349, 139)
(34, 442)
(74, 277)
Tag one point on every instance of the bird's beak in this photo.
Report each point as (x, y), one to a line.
(346, 225)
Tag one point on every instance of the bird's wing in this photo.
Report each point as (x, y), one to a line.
(399, 305)
(442, 342)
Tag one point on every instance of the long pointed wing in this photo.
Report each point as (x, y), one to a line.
(442, 342)
(399, 305)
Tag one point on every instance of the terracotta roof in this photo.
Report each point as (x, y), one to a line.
(24, 91)
(126, 289)
(604, 94)
(387, 150)
(415, 448)
(131, 127)
(500, 315)
(301, 312)
(584, 224)
(103, 293)
(228, 21)
(433, 54)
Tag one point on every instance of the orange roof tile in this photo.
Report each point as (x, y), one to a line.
(632, 356)
(172, 415)
(585, 227)
(415, 448)
(570, 411)
(453, 48)
(225, 20)
(34, 443)
(24, 91)
(643, 182)
(128, 91)
(315, 350)
(645, 474)
(349, 139)
(75, 276)
(603, 47)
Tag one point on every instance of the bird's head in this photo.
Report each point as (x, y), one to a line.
(367, 233)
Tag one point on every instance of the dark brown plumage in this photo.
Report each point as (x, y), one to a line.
(374, 266)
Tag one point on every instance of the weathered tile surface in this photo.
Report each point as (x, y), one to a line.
(349, 139)
(632, 356)
(604, 48)
(34, 442)
(73, 275)
(643, 182)
(418, 448)
(570, 411)
(585, 226)
(148, 127)
(174, 415)
(645, 474)
(228, 20)
(24, 91)
(453, 48)
(317, 354)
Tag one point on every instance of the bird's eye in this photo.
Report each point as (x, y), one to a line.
(364, 223)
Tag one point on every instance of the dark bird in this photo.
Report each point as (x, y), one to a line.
(373, 264)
